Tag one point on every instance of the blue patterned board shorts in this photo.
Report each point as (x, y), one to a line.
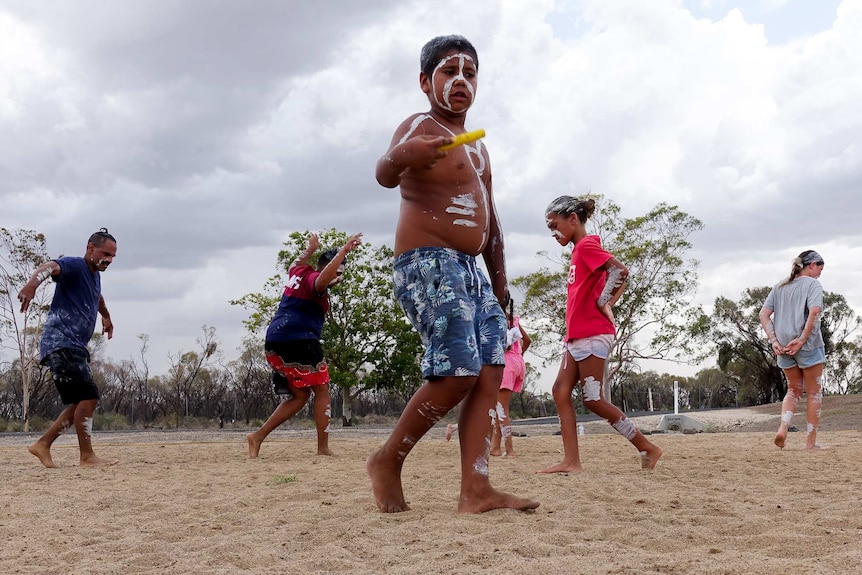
(452, 305)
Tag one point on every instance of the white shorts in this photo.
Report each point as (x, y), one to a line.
(597, 345)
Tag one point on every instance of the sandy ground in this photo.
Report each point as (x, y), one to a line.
(191, 502)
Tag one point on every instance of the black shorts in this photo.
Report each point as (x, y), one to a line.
(70, 370)
(300, 362)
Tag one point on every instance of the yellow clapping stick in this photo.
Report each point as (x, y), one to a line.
(464, 138)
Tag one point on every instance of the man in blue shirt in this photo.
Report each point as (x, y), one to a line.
(63, 348)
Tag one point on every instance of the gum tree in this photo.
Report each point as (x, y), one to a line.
(21, 252)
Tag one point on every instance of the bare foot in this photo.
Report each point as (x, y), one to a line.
(450, 429)
(650, 458)
(253, 446)
(43, 453)
(496, 451)
(563, 467)
(386, 484)
(780, 438)
(324, 451)
(492, 499)
(816, 446)
(93, 461)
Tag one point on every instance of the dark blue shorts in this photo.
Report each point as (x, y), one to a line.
(451, 304)
(70, 370)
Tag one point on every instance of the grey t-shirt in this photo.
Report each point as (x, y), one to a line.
(790, 304)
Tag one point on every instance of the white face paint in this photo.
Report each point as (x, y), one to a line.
(462, 59)
(43, 275)
(88, 426)
(786, 417)
(811, 428)
(463, 205)
(613, 281)
(464, 202)
(481, 464)
(432, 413)
(328, 411)
(501, 413)
(626, 428)
(413, 125)
(592, 389)
(407, 444)
(465, 223)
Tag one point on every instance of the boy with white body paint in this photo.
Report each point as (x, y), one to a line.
(447, 218)
(596, 281)
(791, 313)
(292, 344)
(63, 348)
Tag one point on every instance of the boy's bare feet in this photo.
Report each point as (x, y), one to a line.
(386, 485)
(815, 446)
(496, 451)
(563, 467)
(253, 446)
(324, 451)
(780, 439)
(93, 461)
(43, 453)
(650, 458)
(492, 499)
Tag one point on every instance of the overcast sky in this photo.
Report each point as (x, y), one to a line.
(202, 133)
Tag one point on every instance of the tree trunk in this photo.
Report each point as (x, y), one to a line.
(25, 392)
(346, 414)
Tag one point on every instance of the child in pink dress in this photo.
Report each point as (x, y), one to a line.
(517, 340)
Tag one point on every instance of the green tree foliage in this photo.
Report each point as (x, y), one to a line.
(840, 325)
(649, 390)
(742, 351)
(191, 385)
(127, 387)
(21, 252)
(710, 388)
(369, 345)
(250, 380)
(655, 316)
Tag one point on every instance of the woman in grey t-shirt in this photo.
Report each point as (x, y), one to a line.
(791, 319)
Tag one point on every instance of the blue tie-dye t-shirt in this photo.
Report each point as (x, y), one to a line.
(74, 309)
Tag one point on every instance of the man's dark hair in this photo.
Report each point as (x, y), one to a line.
(436, 48)
(100, 237)
(327, 257)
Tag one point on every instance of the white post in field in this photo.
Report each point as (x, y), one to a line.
(649, 395)
(675, 397)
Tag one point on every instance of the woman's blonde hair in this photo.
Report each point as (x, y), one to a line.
(799, 262)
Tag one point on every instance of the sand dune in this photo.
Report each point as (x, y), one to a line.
(719, 503)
